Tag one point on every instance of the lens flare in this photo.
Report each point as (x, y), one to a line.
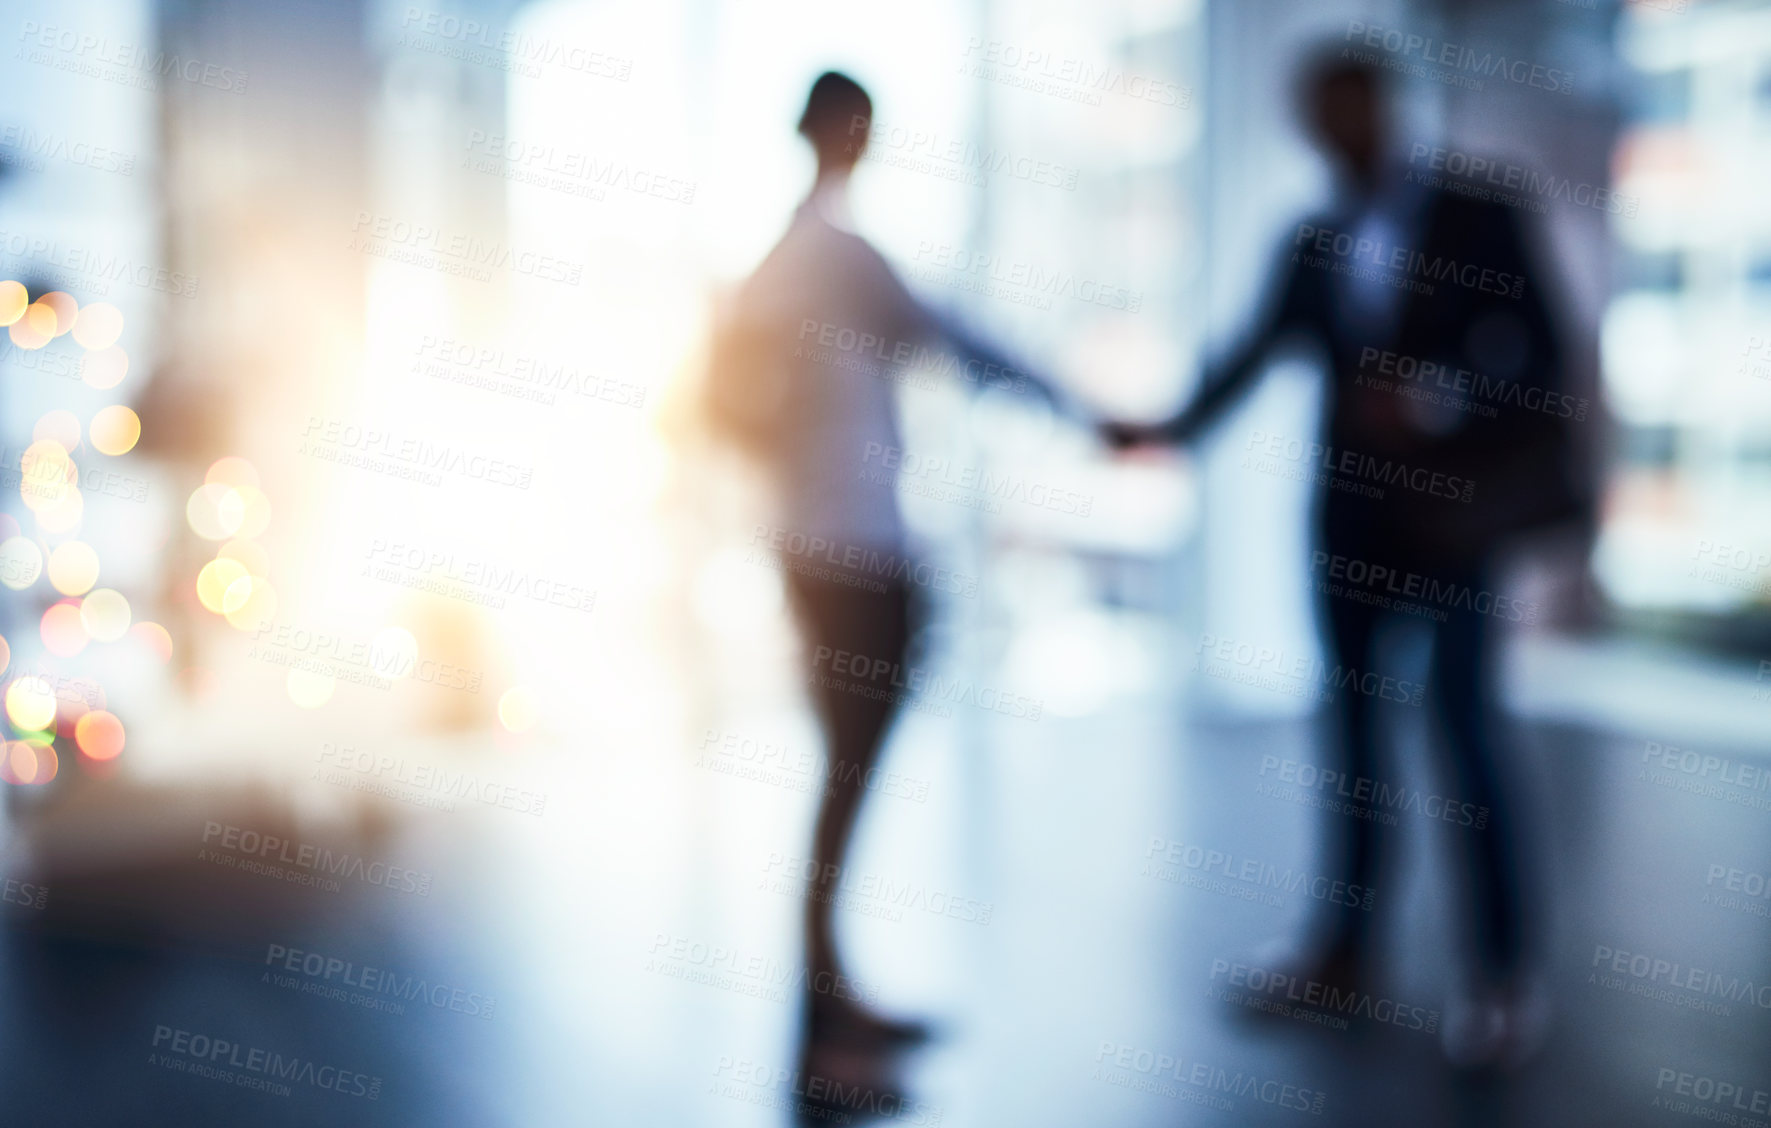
(46, 474)
(73, 568)
(215, 581)
(30, 704)
(64, 516)
(21, 562)
(519, 709)
(115, 430)
(105, 615)
(155, 637)
(13, 300)
(308, 689)
(232, 471)
(47, 456)
(65, 308)
(251, 554)
(60, 426)
(393, 652)
(70, 705)
(98, 326)
(105, 368)
(256, 609)
(255, 512)
(237, 595)
(63, 633)
(35, 329)
(20, 762)
(77, 695)
(99, 735)
(215, 511)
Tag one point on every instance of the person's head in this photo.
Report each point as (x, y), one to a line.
(1345, 104)
(838, 118)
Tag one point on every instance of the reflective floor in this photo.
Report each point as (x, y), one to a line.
(591, 965)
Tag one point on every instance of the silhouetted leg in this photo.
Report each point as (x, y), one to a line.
(1351, 841)
(855, 705)
(1465, 684)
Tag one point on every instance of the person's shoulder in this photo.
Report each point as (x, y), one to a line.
(812, 239)
(848, 255)
(840, 238)
(813, 260)
(800, 244)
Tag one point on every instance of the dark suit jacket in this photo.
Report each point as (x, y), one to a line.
(1464, 383)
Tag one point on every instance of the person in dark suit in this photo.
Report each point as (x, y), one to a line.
(1444, 436)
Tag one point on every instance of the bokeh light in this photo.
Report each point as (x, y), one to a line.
(46, 474)
(250, 553)
(98, 326)
(30, 704)
(13, 300)
(115, 430)
(64, 635)
(238, 594)
(66, 309)
(156, 638)
(308, 689)
(73, 568)
(105, 368)
(64, 516)
(23, 762)
(250, 604)
(61, 426)
(519, 708)
(76, 696)
(255, 515)
(393, 652)
(215, 511)
(5, 655)
(35, 329)
(72, 701)
(21, 562)
(232, 471)
(105, 614)
(99, 735)
(216, 580)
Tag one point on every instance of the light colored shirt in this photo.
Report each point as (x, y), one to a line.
(834, 329)
(824, 306)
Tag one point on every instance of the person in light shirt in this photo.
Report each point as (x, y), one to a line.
(805, 362)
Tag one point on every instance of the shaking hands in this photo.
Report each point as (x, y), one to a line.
(1132, 436)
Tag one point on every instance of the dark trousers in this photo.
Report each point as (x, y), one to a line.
(1462, 684)
(857, 637)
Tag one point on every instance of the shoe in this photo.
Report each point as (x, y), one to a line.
(840, 1022)
(842, 1081)
(1337, 966)
(1496, 1026)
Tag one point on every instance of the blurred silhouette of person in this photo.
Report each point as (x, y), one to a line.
(1349, 284)
(804, 359)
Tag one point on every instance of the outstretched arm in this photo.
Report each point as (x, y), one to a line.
(980, 361)
(1229, 380)
(989, 366)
